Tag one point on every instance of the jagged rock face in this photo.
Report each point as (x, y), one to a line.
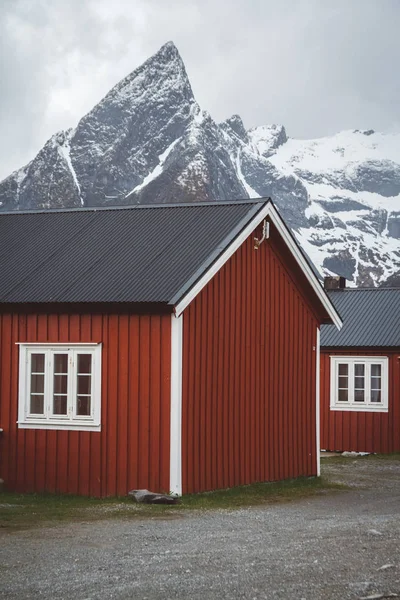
(148, 141)
(353, 212)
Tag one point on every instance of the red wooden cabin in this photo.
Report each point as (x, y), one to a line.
(159, 347)
(360, 372)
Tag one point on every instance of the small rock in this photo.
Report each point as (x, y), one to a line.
(379, 596)
(148, 497)
(384, 567)
(374, 532)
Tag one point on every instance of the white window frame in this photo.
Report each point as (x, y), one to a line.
(350, 404)
(71, 421)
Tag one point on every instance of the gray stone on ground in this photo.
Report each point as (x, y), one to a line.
(148, 497)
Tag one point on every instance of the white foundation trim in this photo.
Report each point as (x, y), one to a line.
(317, 395)
(175, 472)
(267, 211)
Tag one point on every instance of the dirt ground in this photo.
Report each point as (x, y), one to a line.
(338, 545)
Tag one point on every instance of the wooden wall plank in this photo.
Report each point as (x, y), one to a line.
(132, 449)
(361, 431)
(261, 357)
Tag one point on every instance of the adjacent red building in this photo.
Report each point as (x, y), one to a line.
(360, 372)
(174, 348)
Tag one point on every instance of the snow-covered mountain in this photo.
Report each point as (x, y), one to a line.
(148, 141)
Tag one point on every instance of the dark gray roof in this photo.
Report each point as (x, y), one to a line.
(129, 254)
(371, 318)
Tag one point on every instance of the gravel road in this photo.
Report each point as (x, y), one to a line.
(338, 545)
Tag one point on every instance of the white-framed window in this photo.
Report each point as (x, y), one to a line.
(59, 386)
(359, 383)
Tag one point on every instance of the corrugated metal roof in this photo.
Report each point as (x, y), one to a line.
(130, 254)
(371, 318)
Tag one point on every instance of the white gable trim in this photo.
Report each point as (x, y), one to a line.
(267, 211)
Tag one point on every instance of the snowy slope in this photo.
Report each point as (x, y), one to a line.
(353, 184)
(148, 141)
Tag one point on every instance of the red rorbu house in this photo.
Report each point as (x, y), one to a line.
(360, 371)
(174, 348)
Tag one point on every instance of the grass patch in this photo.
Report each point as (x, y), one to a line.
(31, 510)
(260, 493)
(25, 511)
(339, 459)
(393, 456)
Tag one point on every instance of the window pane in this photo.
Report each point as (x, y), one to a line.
(61, 363)
(343, 382)
(37, 384)
(343, 395)
(376, 396)
(37, 405)
(60, 405)
(359, 396)
(376, 370)
(376, 383)
(359, 370)
(84, 363)
(343, 369)
(84, 384)
(83, 406)
(359, 383)
(60, 384)
(37, 363)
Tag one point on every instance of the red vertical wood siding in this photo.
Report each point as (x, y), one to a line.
(361, 431)
(249, 379)
(132, 448)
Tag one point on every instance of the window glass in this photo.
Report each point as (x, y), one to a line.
(359, 370)
(37, 404)
(37, 363)
(376, 383)
(376, 396)
(359, 382)
(59, 405)
(60, 384)
(84, 385)
(376, 370)
(37, 384)
(359, 395)
(83, 406)
(61, 363)
(343, 369)
(84, 363)
(343, 383)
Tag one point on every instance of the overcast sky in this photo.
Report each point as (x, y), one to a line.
(317, 66)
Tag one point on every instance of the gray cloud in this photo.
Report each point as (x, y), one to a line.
(317, 67)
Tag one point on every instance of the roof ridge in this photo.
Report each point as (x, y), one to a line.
(234, 201)
(365, 289)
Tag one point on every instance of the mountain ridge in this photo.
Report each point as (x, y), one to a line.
(148, 141)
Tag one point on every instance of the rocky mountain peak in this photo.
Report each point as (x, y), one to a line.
(235, 124)
(149, 141)
(267, 138)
